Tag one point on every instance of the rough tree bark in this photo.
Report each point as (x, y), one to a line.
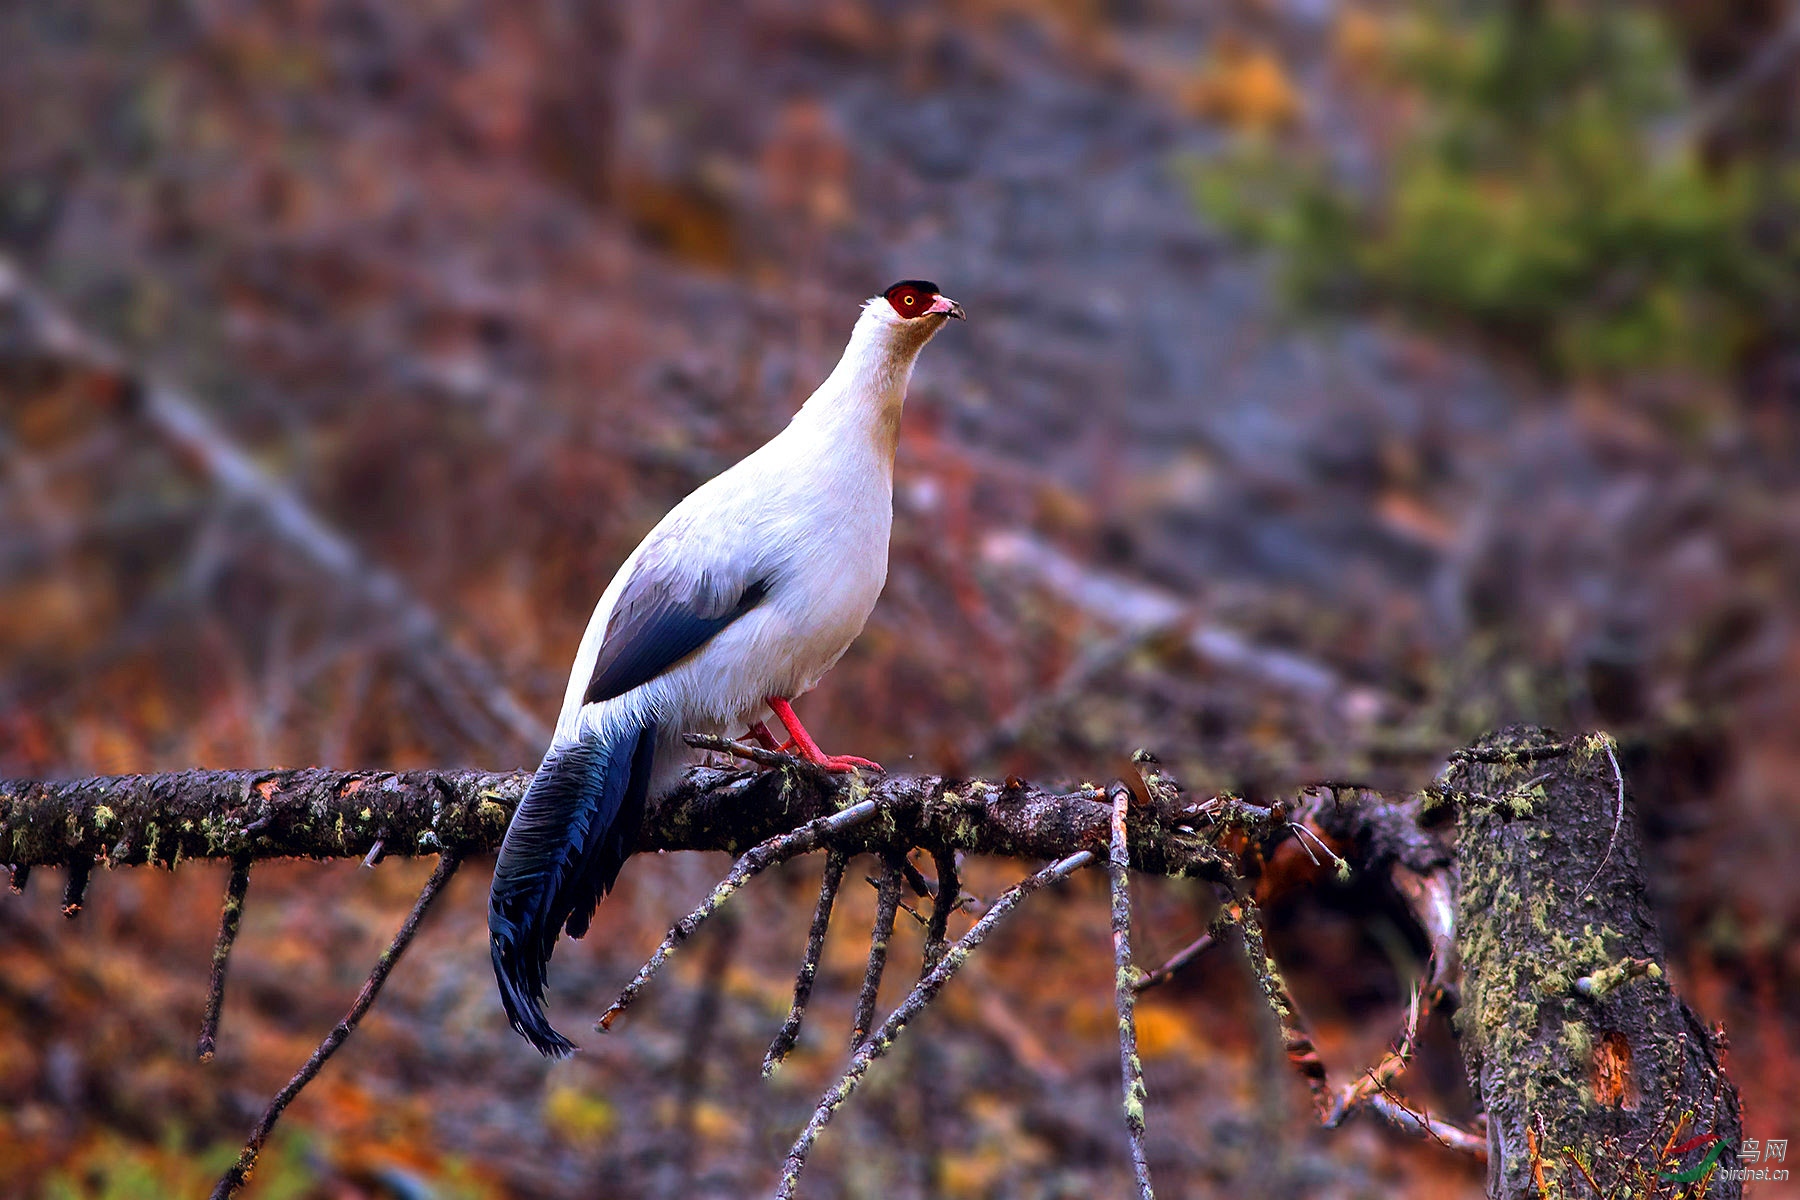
(1594, 1075)
(164, 819)
(1593, 1072)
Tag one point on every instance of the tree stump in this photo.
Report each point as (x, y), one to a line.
(1596, 1078)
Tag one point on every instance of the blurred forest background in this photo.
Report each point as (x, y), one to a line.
(1342, 378)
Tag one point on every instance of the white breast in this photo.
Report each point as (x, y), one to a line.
(815, 524)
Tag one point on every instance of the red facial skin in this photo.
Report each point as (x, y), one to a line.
(909, 301)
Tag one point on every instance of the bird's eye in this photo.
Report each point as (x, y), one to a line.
(910, 298)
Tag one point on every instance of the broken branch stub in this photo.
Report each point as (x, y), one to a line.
(1606, 1071)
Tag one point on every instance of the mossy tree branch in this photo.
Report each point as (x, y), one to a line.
(1586, 1061)
(164, 819)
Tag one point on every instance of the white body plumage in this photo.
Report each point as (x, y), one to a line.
(812, 509)
(737, 602)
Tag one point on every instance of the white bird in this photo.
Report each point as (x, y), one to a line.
(740, 600)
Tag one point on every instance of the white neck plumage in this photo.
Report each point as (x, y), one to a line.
(865, 392)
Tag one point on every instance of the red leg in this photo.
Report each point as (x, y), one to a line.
(809, 749)
(759, 733)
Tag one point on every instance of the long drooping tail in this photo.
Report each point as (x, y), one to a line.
(562, 852)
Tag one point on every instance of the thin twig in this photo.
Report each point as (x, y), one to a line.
(910, 911)
(1618, 811)
(949, 895)
(1452, 1137)
(1580, 1166)
(1537, 1160)
(887, 903)
(1180, 959)
(922, 994)
(1510, 754)
(835, 860)
(1302, 832)
(757, 754)
(753, 862)
(921, 886)
(1368, 1092)
(1295, 1040)
(239, 1173)
(1131, 1068)
(1376, 1078)
(230, 914)
(1431, 898)
(75, 886)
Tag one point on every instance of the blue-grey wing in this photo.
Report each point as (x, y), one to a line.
(658, 622)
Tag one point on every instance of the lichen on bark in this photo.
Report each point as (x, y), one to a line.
(1600, 1077)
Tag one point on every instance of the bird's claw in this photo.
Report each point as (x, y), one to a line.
(841, 764)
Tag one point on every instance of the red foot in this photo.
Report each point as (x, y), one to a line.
(808, 749)
(759, 733)
(840, 763)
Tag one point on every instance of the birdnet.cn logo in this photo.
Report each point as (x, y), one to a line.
(1752, 1166)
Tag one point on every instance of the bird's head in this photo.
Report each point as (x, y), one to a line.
(889, 334)
(920, 300)
(902, 319)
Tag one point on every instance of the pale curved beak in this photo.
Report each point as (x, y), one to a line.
(949, 307)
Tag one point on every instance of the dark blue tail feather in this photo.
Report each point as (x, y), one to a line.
(568, 839)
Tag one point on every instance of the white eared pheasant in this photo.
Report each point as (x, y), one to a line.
(736, 603)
